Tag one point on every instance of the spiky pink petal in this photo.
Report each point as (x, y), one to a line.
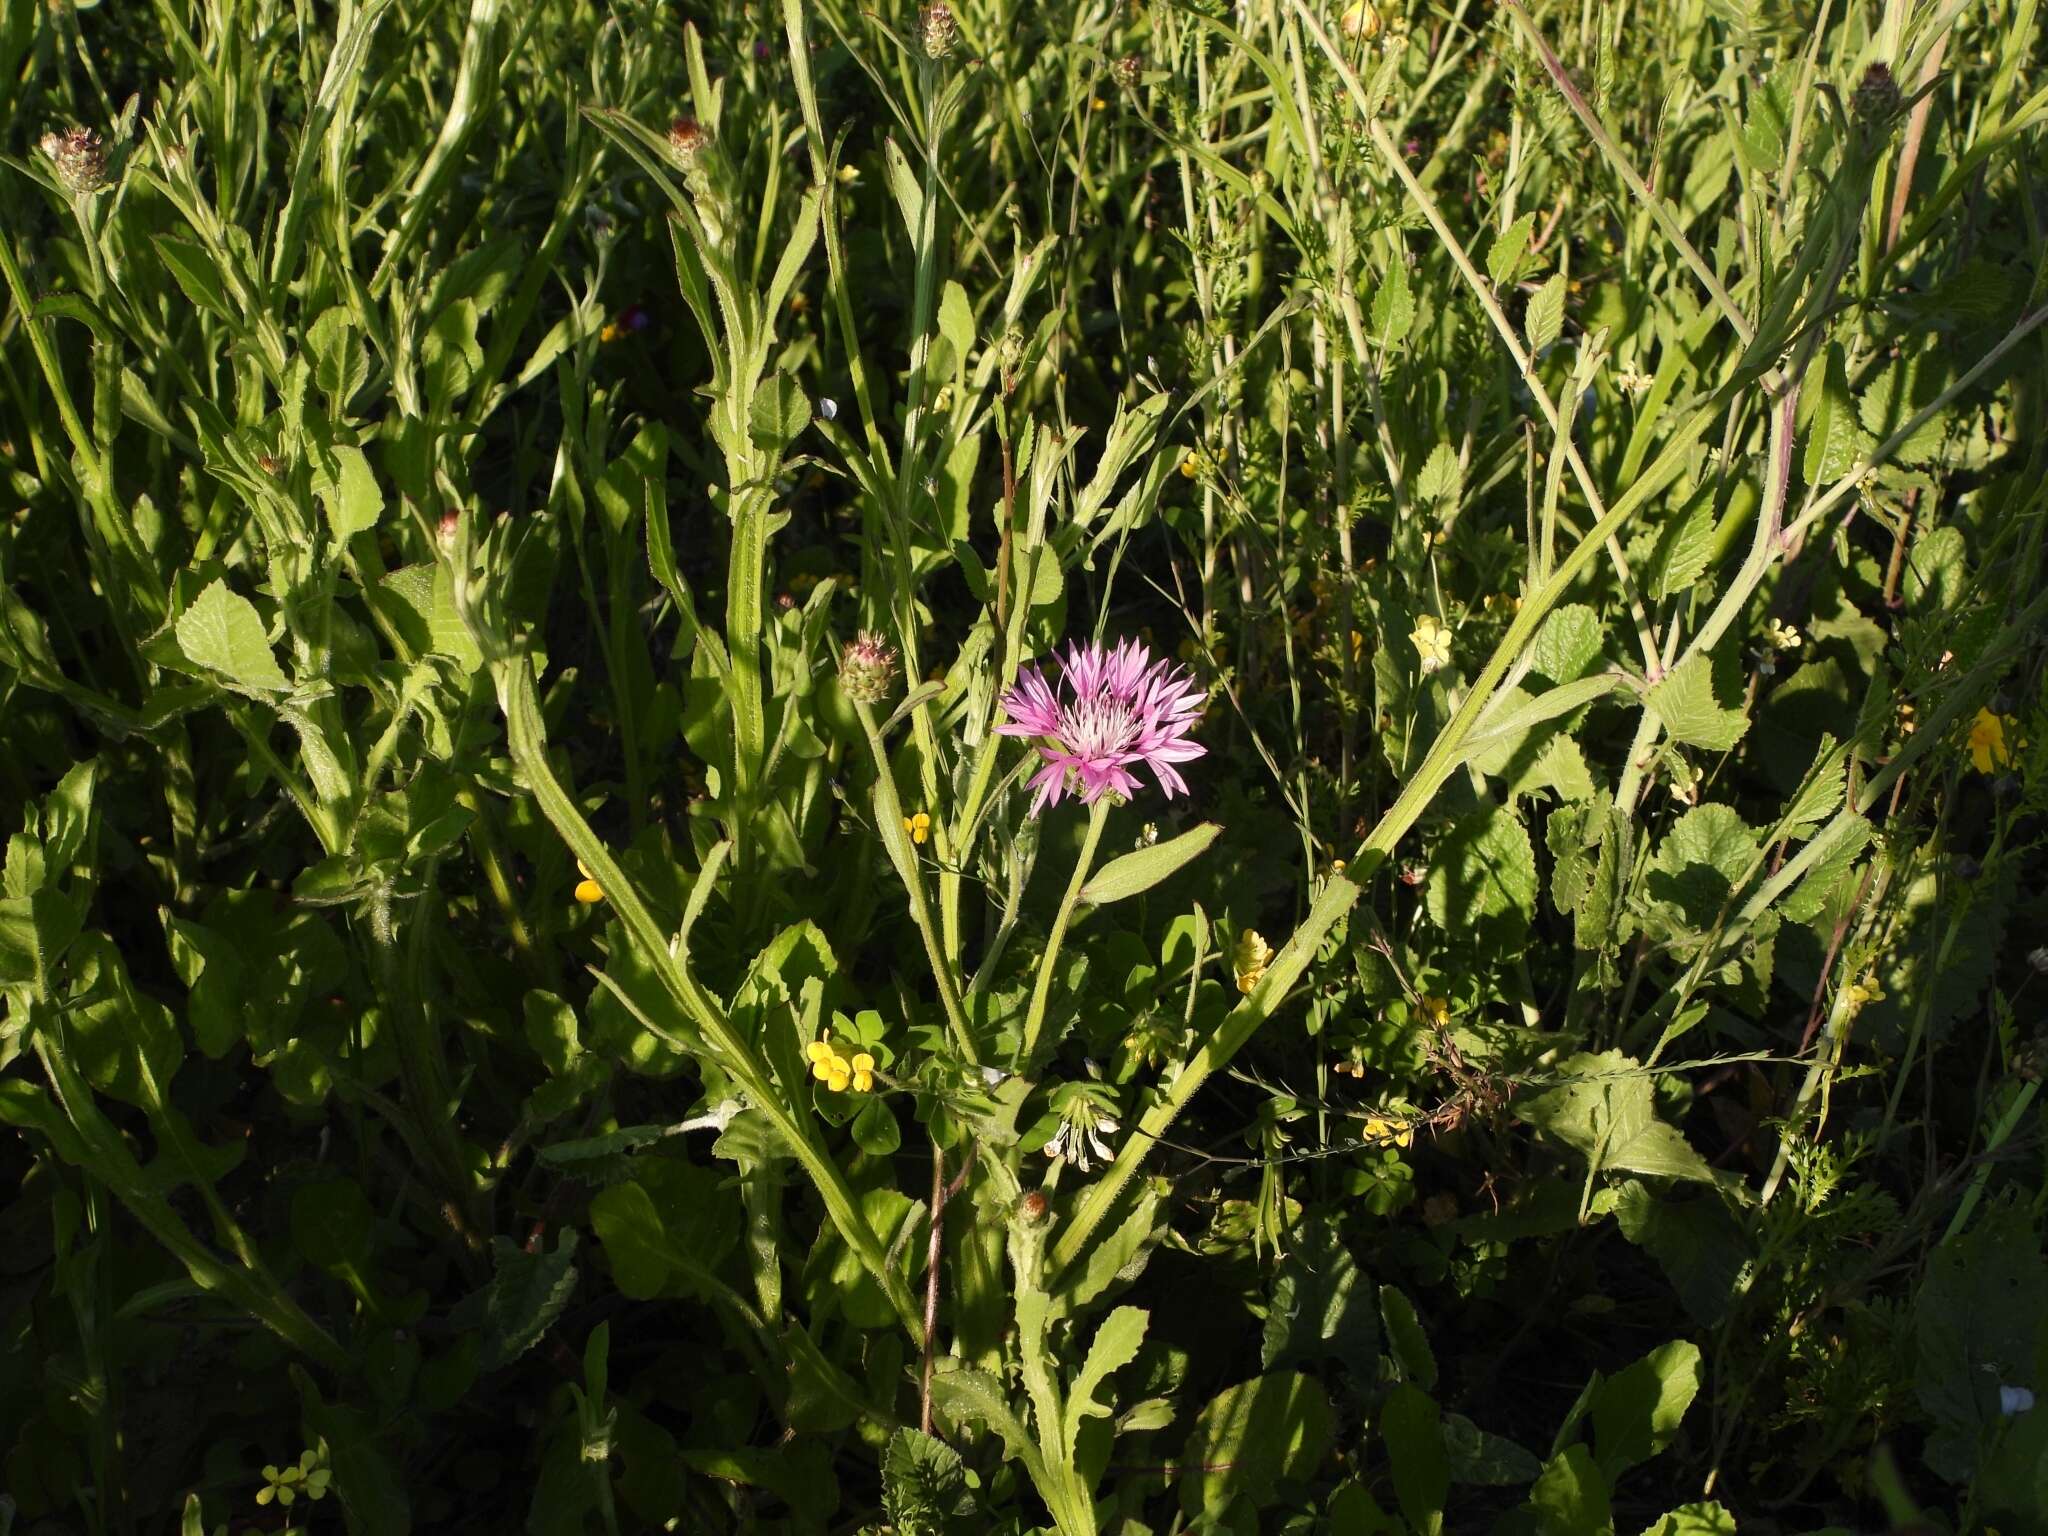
(1115, 708)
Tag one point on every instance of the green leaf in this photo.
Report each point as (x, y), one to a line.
(1684, 702)
(352, 499)
(1442, 476)
(222, 632)
(523, 1298)
(956, 322)
(197, 276)
(1607, 1113)
(1504, 256)
(1323, 1306)
(1678, 554)
(1139, 871)
(1393, 305)
(1250, 1436)
(1415, 1448)
(963, 1392)
(875, 1129)
(1569, 644)
(1118, 1256)
(1694, 1520)
(1637, 1411)
(1544, 319)
(1406, 1341)
(1483, 876)
(1486, 1460)
(1115, 1345)
(1834, 440)
(1695, 1242)
(331, 1224)
(924, 1485)
(1977, 1324)
(1570, 1498)
(1702, 862)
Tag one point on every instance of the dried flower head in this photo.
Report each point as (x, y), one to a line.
(1129, 70)
(79, 158)
(688, 137)
(1117, 708)
(937, 30)
(867, 667)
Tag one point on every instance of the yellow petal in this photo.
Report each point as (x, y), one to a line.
(589, 892)
(817, 1050)
(821, 1069)
(864, 1082)
(863, 1062)
(836, 1081)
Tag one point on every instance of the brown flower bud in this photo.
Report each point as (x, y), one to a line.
(79, 158)
(1033, 1207)
(937, 30)
(688, 137)
(1128, 70)
(1877, 99)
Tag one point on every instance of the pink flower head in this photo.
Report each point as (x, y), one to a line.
(1120, 707)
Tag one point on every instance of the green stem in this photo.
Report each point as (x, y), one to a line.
(903, 854)
(1041, 993)
(519, 698)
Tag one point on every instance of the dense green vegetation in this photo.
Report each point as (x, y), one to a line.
(589, 944)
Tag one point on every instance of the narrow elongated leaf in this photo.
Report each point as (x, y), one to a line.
(1140, 871)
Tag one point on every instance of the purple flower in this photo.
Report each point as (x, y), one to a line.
(1120, 707)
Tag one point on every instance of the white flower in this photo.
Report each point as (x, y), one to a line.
(2014, 1400)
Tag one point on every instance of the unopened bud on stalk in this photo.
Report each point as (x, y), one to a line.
(937, 30)
(867, 667)
(1033, 1207)
(79, 157)
(1877, 99)
(1129, 70)
(451, 525)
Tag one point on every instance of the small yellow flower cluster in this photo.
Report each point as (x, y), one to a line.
(1432, 639)
(1989, 749)
(588, 891)
(1436, 1011)
(839, 1072)
(919, 827)
(1250, 959)
(1381, 1131)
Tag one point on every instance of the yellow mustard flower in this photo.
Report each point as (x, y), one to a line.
(1436, 1011)
(919, 827)
(1989, 749)
(1381, 1131)
(588, 891)
(1432, 643)
(1250, 958)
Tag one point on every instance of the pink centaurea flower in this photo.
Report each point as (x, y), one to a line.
(1115, 708)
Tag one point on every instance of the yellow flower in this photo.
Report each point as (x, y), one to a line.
(1782, 636)
(838, 1072)
(1190, 464)
(919, 827)
(588, 891)
(1436, 1011)
(1250, 959)
(1432, 643)
(1989, 749)
(1383, 1132)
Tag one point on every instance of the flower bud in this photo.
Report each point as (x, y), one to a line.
(79, 157)
(1128, 70)
(1033, 1207)
(937, 30)
(1877, 99)
(867, 667)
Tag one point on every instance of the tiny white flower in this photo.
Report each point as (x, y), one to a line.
(828, 408)
(2014, 1400)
